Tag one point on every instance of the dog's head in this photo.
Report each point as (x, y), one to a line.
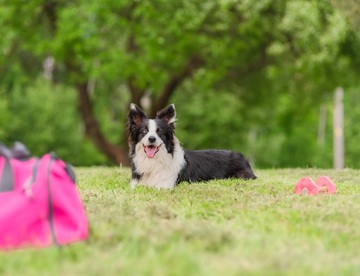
(151, 135)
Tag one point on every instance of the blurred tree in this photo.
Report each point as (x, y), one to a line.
(43, 117)
(116, 52)
(351, 10)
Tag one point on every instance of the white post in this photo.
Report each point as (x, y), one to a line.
(339, 129)
(49, 66)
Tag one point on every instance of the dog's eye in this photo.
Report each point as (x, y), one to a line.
(158, 130)
(144, 131)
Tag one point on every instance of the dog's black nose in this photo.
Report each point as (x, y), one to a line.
(152, 139)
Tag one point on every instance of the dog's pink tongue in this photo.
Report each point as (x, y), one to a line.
(150, 151)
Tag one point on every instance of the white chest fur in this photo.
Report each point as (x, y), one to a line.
(162, 170)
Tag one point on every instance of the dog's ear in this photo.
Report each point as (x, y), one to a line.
(136, 115)
(168, 114)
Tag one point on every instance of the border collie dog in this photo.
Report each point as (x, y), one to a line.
(159, 161)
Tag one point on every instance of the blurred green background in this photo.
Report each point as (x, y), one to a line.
(257, 76)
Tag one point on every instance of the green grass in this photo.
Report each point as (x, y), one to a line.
(227, 227)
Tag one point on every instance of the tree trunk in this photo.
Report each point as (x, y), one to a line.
(93, 131)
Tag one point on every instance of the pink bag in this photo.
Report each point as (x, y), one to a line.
(39, 202)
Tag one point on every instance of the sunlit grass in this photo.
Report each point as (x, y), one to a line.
(226, 227)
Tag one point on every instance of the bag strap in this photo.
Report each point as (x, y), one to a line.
(7, 177)
(50, 200)
(5, 151)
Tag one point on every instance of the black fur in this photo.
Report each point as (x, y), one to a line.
(202, 165)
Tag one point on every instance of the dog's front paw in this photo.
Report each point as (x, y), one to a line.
(133, 183)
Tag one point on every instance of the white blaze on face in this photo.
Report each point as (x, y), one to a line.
(152, 129)
(151, 141)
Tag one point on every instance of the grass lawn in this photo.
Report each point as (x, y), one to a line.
(227, 227)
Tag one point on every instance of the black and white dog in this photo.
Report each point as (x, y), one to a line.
(159, 161)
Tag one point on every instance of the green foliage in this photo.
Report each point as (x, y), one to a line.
(44, 118)
(205, 122)
(227, 227)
